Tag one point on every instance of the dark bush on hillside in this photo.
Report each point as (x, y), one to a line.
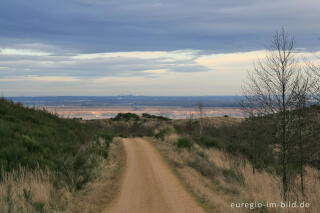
(106, 135)
(208, 142)
(184, 142)
(140, 129)
(162, 133)
(131, 128)
(315, 108)
(315, 164)
(232, 147)
(146, 115)
(126, 117)
(101, 144)
(189, 127)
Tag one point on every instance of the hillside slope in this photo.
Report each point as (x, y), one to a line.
(38, 149)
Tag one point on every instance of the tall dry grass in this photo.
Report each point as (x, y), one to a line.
(24, 190)
(219, 179)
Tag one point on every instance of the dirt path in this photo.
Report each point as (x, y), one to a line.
(148, 184)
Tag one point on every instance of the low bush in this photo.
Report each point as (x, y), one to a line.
(131, 128)
(208, 142)
(126, 117)
(146, 115)
(162, 133)
(184, 142)
(140, 129)
(233, 175)
(205, 167)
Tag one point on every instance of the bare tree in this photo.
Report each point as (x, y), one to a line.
(303, 123)
(190, 124)
(200, 108)
(306, 118)
(314, 74)
(271, 90)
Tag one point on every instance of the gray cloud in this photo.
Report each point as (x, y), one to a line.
(130, 25)
(56, 32)
(17, 63)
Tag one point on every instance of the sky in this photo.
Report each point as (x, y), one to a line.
(144, 47)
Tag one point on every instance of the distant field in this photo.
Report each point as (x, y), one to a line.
(170, 112)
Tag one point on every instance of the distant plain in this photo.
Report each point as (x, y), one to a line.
(100, 107)
(166, 111)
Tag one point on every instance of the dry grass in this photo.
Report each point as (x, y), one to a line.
(218, 179)
(30, 191)
(26, 191)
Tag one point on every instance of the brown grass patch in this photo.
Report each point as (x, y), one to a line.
(23, 190)
(218, 179)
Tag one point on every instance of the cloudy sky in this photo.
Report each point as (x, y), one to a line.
(143, 47)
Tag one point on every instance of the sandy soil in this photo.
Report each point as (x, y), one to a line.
(148, 184)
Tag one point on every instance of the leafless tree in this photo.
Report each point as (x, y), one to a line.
(200, 108)
(307, 123)
(270, 90)
(190, 124)
(314, 74)
(302, 124)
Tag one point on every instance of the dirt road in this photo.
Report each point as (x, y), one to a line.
(148, 184)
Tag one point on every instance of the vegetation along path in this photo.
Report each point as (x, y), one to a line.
(148, 184)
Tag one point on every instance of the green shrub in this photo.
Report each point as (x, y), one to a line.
(100, 149)
(126, 117)
(184, 142)
(232, 147)
(208, 142)
(140, 129)
(146, 115)
(162, 133)
(107, 136)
